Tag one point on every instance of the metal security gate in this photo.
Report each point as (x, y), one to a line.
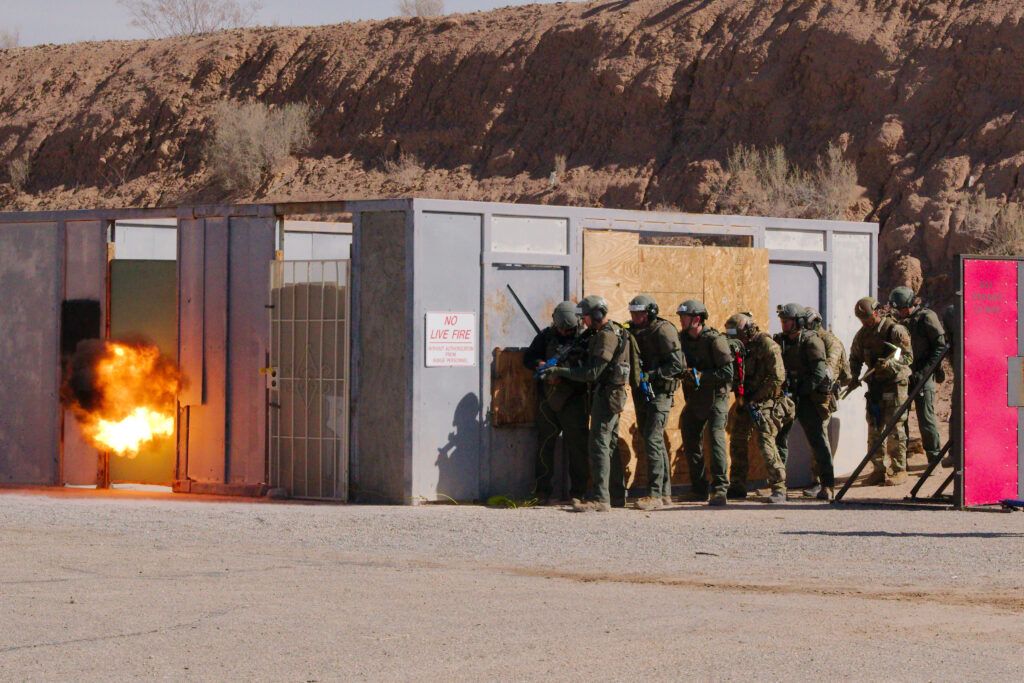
(308, 380)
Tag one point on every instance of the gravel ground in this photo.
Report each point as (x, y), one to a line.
(125, 585)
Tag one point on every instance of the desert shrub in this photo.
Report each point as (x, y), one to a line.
(405, 170)
(9, 39)
(765, 182)
(250, 140)
(421, 8)
(19, 169)
(164, 18)
(1005, 236)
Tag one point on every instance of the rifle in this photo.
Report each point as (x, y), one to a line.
(563, 353)
(896, 354)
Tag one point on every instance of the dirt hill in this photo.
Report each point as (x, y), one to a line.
(644, 98)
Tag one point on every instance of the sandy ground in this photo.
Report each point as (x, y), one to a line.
(101, 587)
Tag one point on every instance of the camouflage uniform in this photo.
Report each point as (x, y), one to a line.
(563, 410)
(706, 405)
(763, 377)
(887, 388)
(606, 369)
(809, 383)
(952, 328)
(839, 370)
(662, 361)
(928, 339)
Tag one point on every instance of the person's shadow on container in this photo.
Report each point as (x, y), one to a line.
(458, 471)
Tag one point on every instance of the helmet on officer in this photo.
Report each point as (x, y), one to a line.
(814, 320)
(793, 312)
(901, 297)
(865, 308)
(693, 307)
(740, 325)
(642, 303)
(594, 306)
(564, 316)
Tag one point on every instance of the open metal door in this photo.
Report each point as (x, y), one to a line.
(308, 378)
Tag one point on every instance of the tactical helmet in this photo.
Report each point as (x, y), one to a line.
(813, 318)
(865, 308)
(564, 316)
(740, 325)
(643, 303)
(594, 306)
(901, 297)
(792, 311)
(693, 307)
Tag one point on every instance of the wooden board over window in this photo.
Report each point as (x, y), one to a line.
(727, 279)
(513, 390)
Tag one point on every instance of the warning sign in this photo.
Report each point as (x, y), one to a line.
(451, 340)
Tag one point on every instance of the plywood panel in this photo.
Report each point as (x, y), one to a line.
(735, 279)
(671, 269)
(513, 390)
(611, 268)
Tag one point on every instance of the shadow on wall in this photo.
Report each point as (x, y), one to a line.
(457, 461)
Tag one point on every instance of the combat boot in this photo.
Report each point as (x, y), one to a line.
(718, 500)
(736, 492)
(778, 497)
(813, 491)
(589, 506)
(826, 493)
(896, 478)
(648, 503)
(666, 500)
(876, 478)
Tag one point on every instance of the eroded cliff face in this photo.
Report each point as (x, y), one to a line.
(644, 98)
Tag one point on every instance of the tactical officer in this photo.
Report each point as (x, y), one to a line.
(839, 369)
(809, 383)
(884, 346)
(607, 370)
(760, 407)
(661, 364)
(928, 339)
(706, 382)
(563, 405)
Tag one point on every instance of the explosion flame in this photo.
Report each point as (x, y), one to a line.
(123, 394)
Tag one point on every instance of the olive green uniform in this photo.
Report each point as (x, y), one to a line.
(887, 388)
(839, 370)
(707, 404)
(763, 377)
(809, 383)
(951, 326)
(928, 339)
(662, 360)
(606, 370)
(563, 410)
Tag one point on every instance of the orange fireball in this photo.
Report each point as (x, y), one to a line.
(123, 394)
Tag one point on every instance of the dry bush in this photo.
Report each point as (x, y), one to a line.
(19, 170)
(1005, 236)
(9, 39)
(165, 18)
(405, 170)
(421, 8)
(766, 183)
(250, 140)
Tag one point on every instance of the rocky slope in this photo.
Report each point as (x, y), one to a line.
(644, 98)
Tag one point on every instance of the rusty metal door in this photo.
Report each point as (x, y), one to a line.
(308, 385)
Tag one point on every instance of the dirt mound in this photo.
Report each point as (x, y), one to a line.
(644, 98)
